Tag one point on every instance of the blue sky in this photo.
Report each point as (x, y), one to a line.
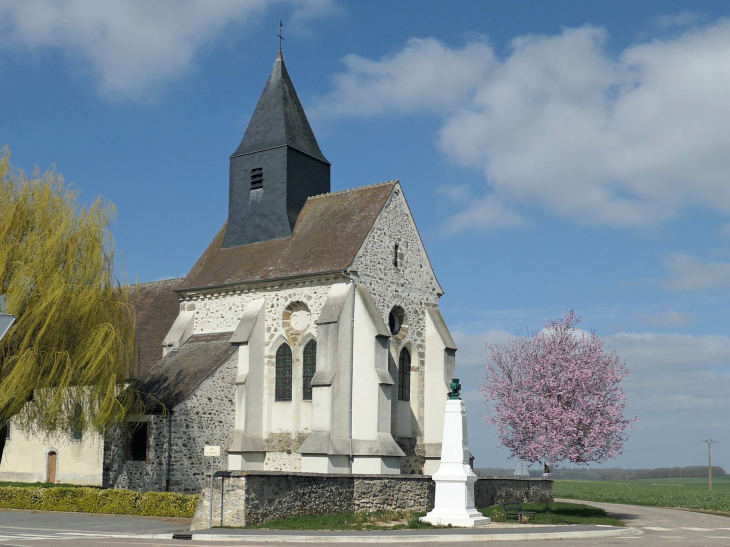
(555, 155)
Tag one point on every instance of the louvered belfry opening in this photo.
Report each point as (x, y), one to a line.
(257, 178)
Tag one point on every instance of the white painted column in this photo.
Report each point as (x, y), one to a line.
(454, 479)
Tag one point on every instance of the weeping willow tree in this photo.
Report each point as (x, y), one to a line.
(65, 361)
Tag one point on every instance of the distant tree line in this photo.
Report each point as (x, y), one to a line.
(614, 473)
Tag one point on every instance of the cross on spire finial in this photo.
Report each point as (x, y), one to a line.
(281, 25)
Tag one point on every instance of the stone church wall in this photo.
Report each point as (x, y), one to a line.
(206, 417)
(286, 423)
(258, 496)
(412, 285)
(149, 475)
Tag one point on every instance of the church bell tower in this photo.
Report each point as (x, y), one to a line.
(277, 166)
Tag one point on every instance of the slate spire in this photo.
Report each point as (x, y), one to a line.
(279, 118)
(277, 166)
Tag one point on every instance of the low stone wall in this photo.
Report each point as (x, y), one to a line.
(393, 492)
(278, 495)
(492, 490)
(246, 498)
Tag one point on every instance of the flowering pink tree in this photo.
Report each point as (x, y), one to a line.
(557, 396)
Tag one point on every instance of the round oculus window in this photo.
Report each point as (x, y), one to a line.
(397, 321)
(297, 318)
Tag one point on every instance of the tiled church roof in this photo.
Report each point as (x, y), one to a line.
(156, 306)
(328, 234)
(180, 372)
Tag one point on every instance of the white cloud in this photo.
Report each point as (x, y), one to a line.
(696, 392)
(724, 230)
(683, 19)
(134, 47)
(689, 273)
(472, 350)
(426, 75)
(668, 318)
(486, 212)
(649, 353)
(306, 11)
(558, 122)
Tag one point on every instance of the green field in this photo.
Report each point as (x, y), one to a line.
(684, 493)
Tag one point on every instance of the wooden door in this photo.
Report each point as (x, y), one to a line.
(52, 467)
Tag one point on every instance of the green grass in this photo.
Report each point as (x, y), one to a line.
(559, 513)
(555, 513)
(680, 493)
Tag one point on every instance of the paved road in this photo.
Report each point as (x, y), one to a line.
(48, 528)
(660, 527)
(665, 526)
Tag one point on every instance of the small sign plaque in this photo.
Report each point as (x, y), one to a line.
(212, 451)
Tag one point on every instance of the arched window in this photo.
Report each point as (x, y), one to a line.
(310, 367)
(404, 376)
(283, 373)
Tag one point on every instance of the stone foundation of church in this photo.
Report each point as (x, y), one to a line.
(412, 462)
(247, 498)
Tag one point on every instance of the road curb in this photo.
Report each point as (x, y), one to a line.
(413, 538)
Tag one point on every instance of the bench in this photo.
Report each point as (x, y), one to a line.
(514, 509)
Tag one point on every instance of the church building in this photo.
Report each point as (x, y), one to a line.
(306, 338)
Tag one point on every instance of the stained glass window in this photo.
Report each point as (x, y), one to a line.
(283, 373)
(310, 367)
(404, 376)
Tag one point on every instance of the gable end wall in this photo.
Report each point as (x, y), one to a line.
(411, 285)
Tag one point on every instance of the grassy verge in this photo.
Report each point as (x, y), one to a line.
(679, 493)
(559, 513)
(80, 499)
(555, 513)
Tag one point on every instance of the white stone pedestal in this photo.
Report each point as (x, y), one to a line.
(454, 479)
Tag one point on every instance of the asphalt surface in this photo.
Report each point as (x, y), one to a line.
(45, 526)
(658, 527)
(662, 526)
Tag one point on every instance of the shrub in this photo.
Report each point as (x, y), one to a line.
(94, 500)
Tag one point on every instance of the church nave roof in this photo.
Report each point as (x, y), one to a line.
(329, 232)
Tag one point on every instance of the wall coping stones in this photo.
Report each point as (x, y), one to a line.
(238, 473)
